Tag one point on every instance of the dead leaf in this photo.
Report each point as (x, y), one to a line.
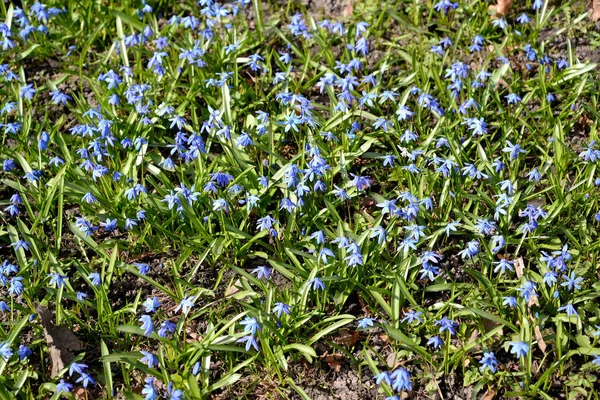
(595, 10)
(348, 9)
(519, 267)
(488, 395)
(489, 325)
(474, 336)
(333, 360)
(346, 338)
(540, 339)
(235, 288)
(79, 393)
(61, 341)
(502, 7)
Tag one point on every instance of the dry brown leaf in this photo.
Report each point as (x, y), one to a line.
(488, 395)
(502, 7)
(79, 393)
(596, 10)
(488, 325)
(519, 267)
(348, 9)
(540, 339)
(62, 343)
(333, 360)
(346, 338)
(474, 336)
(236, 287)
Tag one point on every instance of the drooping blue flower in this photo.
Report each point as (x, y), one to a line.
(262, 272)
(435, 341)
(5, 350)
(520, 349)
(281, 308)
(316, 284)
(63, 387)
(149, 359)
(151, 304)
(147, 324)
(401, 380)
(186, 304)
(250, 341)
(250, 325)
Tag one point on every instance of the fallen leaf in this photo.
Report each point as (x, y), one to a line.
(79, 393)
(333, 360)
(519, 267)
(235, 288)
(540, 339)
(489, 325)
(595, 10)
(488, 395)
(502, 7)
(346, 338)
(61, 341)
(474, 336)
(348, 9)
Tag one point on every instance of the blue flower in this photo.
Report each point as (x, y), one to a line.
(23, 352)
(86, 379)
(520, 349)
(445, 6)
(165, 328)
(281, 308)
(5, 350)
(149, 359)
(186, 304)
(142, 267)
(63, 387)
(57, 279)
(513, 149)
(446, 324)
(412, 316)
(94, 277)
(569, 309)
(149, 390)
(401, 380)
(528, 290)
(147, 324)
(151, 304)
(262, 272)
(316, 284)
(383, 377)
(471, 250)
(27, 92)
(435, 341)
(250, 325)
(509, 301)
(503, 265)
(488, 361)
(21, 244)
(572, 282)
(366, 323)
(250, 341)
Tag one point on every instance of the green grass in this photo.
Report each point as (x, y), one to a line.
(203, 251)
